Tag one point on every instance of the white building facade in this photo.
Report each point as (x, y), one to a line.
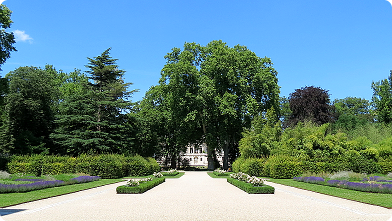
(196, 155)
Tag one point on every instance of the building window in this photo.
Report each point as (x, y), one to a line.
(201, 159)
(191, 150)
(190, 159)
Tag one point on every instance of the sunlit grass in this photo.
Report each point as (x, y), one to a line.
(378, 199)
(8, 199)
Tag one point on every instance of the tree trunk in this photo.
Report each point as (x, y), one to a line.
(226, 153)
(173, 162)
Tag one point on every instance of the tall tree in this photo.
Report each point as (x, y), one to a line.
(219, 89)
(382, 99)
(92, 116)
(352, 112)
(310, 104)
(7, 39)
(75, 121)
(30, 107)
(111, 100)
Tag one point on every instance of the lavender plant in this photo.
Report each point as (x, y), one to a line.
(20, 188)
(84, 179)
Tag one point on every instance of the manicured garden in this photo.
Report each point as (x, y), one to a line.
(371, 189)
(34, 177)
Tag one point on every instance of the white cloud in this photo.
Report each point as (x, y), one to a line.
(21, 36)
(1, 1)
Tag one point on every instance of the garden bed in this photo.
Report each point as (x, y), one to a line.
(249, 188)
(373, 184)
(139, 186)
(250, 184)
(20, 183)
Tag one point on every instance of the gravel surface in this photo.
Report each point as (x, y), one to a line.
(195, 196)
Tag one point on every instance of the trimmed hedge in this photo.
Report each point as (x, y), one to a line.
(249, 188)
(219, 174)
(170, 174)
(107, 166)
(141, 188)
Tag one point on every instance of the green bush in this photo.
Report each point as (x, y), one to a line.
(138, 166)
(385, 167)
(153, 165)
(143, 187)
(237, 164)
(253, 166)
(249, 188)
(283, 167)
(106, 165)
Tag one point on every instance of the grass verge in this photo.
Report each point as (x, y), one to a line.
(9, 199)
(180, 174)
(211, 174)
(378, 199)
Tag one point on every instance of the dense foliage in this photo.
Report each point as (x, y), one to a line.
(209, 94)
(226, 97)
(310, 104)
(7, 39)
(105, 165)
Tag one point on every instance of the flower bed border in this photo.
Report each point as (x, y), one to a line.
(170, 174)
(249, 188)
(143, 187)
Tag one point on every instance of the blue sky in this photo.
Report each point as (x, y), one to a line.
(338, 45)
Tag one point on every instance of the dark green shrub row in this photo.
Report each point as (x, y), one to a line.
(106, 166)
(287, 167)
(249, 188)
(143, 187)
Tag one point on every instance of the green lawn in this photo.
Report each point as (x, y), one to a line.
(378, 199)
(227, 175)
(8, 199)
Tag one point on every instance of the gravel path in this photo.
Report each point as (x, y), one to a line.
(195, 196)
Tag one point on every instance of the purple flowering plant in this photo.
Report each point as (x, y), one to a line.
(20, 183)
(375, 184)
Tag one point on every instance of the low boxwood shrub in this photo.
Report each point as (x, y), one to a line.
(249, 188)
(170, 173)
(141, 188)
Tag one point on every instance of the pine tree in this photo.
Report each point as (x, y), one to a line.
(94, 120)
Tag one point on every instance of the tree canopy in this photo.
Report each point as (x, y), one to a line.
(382, 99)
(7, 39)
(310, 104)
(215, 91)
